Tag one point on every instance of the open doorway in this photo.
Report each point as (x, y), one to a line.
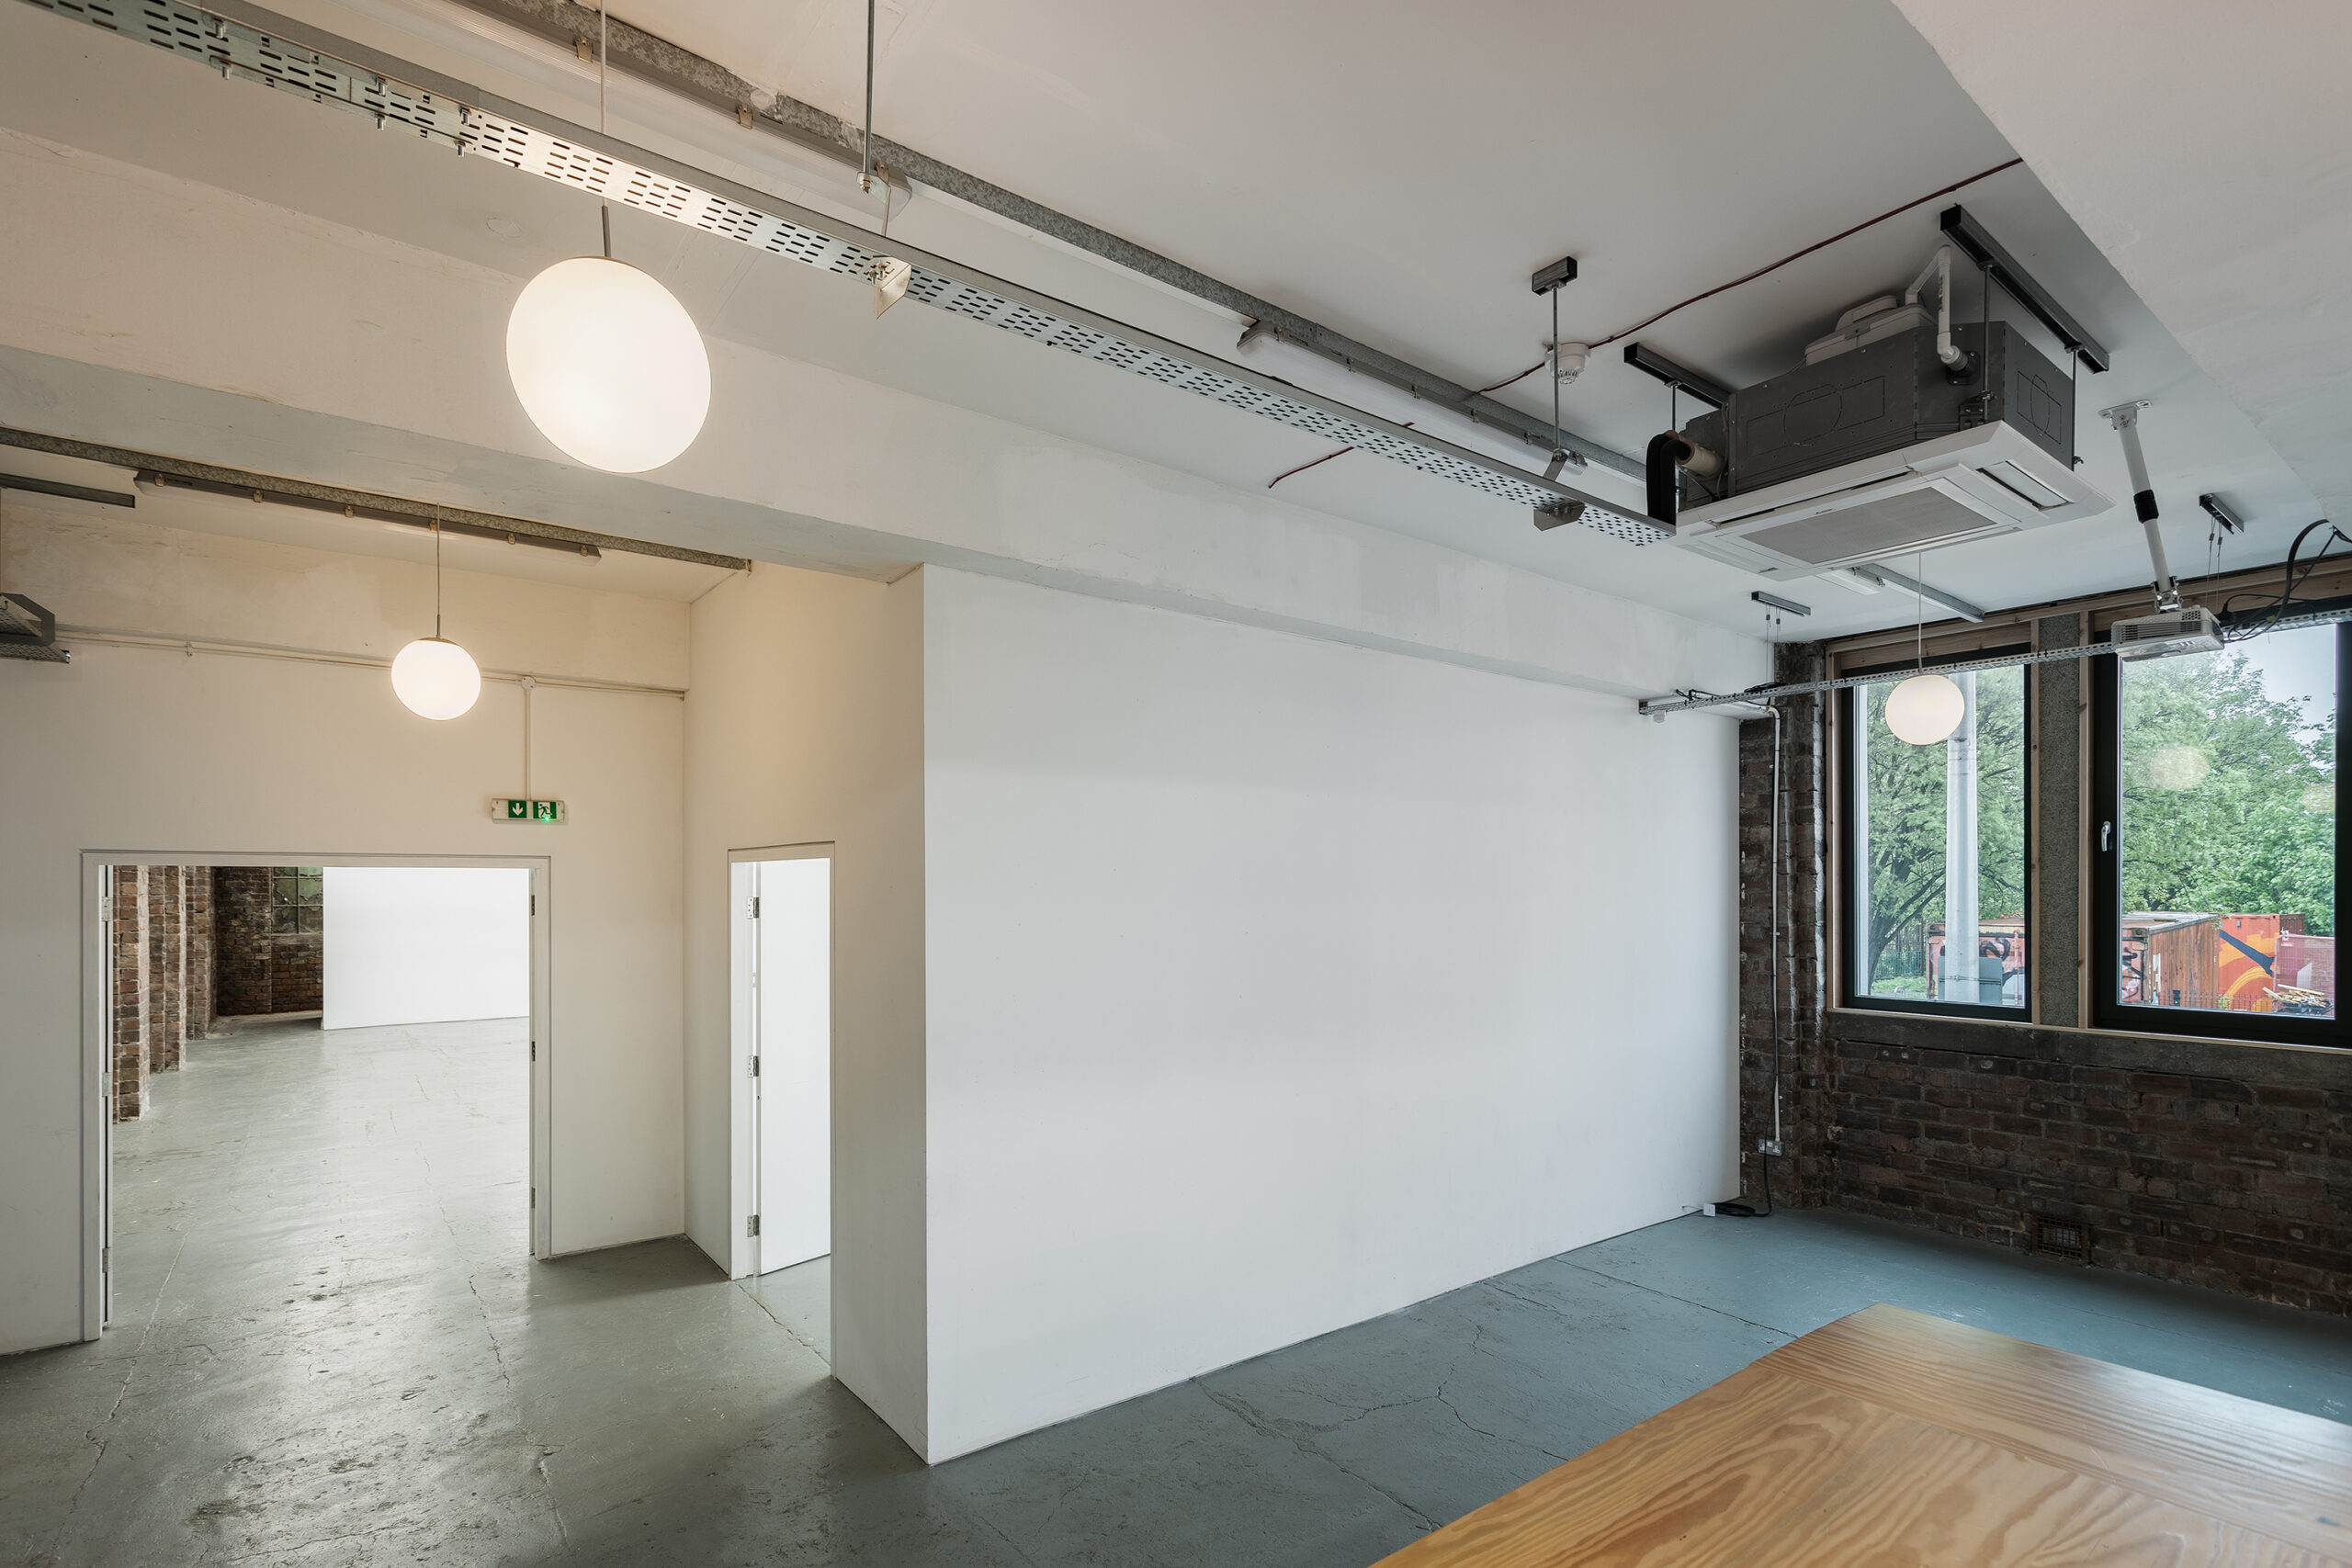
(307, 1068)
(783, 1008)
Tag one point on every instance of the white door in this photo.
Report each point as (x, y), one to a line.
(792, 996)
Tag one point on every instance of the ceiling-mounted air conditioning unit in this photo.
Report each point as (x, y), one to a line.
(1882, 446)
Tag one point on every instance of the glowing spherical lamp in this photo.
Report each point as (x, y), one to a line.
(608, 364)
(435, 678)
(1925, 709)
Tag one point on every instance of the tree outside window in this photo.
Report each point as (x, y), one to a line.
(1922, 816)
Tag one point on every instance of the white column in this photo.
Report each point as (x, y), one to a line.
(1960, 851)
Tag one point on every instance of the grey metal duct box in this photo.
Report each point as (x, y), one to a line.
(1881, 398)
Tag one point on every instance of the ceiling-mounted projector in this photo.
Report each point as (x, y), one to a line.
(2192, 630)
(1900, 432)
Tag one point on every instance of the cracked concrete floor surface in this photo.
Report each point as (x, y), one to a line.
(330, 1348)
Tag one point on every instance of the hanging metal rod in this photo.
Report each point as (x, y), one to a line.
(656, 61)
(244, 42)
(1689, 702)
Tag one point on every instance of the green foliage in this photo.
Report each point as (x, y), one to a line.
(2228, 796)
(2227, 805)
(1907, 819)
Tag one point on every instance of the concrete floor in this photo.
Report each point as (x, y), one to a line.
(330, 1347)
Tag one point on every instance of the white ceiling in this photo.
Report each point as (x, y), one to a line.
(2208, 151)
(1394, 173)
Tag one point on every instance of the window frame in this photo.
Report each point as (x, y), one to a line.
(2109, 1012)
(1851, 858)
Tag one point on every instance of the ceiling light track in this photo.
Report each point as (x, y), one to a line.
(655, 60)
(247, 42)
(272, 489)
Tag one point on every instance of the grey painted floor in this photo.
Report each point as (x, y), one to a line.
(330, 1348)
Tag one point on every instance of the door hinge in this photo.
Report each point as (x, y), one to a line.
(534, 1197)
(535, 903)
(755, 906)
(752, 1225)
(106, 1258)
(751, 1068)
(535, 1050)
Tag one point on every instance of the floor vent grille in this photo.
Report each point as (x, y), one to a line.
(2061, 1238)
(236, 49)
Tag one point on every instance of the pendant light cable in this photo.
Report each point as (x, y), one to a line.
(603, 35)
(436, 574)
(1919, 609)
(866, 156)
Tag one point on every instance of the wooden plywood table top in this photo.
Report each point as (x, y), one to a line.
(1890, 1439)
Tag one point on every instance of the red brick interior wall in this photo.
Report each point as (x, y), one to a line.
(200, 951)
(161, 980)
(256, 970)
(127, 991)
(1801, 1176)
(2209, 1162)
(2219, 1165)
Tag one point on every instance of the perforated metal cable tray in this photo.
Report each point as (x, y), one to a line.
(254, 45)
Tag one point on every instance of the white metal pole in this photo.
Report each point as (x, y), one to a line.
(1960, 851)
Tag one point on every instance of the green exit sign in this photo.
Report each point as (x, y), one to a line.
(514, 808)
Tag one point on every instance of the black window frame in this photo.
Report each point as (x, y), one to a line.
(2108, 1010)
(1850, 858)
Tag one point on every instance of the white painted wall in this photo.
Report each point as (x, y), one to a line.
(1274, 984)
(423, 944)
(804, 725)
(792, 993)
(140, 750)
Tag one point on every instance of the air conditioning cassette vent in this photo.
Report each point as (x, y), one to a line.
(2193, 630)
(1874, 450)
(1972, 484)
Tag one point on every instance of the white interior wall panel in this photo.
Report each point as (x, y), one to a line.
(804, 725)
(1275, 985)
(423, 944)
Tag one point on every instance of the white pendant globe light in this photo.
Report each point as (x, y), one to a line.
(606, 361)
(608, 364)
(1926, 710)
(433, 677)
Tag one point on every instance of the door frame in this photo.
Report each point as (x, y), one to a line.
(97, 1057)
(743, 1042)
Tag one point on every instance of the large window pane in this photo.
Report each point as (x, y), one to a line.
(1939, 848)
(2225, 857)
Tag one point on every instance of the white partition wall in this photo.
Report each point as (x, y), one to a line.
(424, 944)
(1274, 984)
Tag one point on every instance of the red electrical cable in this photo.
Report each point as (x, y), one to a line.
(1794, 255)
(1317, 463)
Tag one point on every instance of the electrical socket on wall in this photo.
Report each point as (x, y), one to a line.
(1769, 1146)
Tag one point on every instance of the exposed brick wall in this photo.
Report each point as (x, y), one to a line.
(127, 991)
(200, 951)
(255, 970)
(166, 968)
(297, 974)
(1801, 1178)
(2208, 1162)
(239, 940)
(160, 980)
